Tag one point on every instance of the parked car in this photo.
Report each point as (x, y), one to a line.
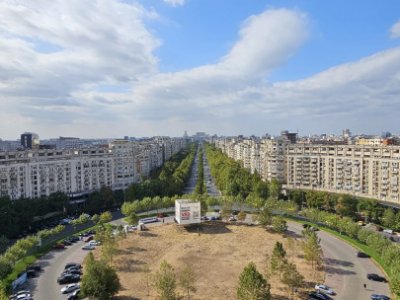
(362, 254)
(59, 246)
(68, 278)
(88, 247)
(74, 239)
(70, 288)
(67, 242)
(30, 273)
(232, 219)
(312, 228)
(74, 295)
(88, 239)
(94, 243)
(306, 225)
(379, 297)
(318, 296)
(376, 277)
(72, 271)
(73, 265)
(21, 295)
(325, 289)
(37, 268)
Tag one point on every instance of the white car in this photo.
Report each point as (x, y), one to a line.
(70, 288)
(88, 247)
(325, 289)
(94, 243)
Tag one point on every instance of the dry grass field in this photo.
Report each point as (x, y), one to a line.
(217, 253)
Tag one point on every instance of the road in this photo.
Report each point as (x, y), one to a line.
(45, 287)
(191, 183)
(345, 272)
(212, 189)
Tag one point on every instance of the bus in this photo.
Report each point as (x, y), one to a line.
(148, 220)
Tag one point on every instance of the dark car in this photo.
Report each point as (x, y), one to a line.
(318, 296)
(72, 271)
(379, 297)
(36, 268)
(68, 278)
(67, 242)
(74, 295)
(72, 265)
(59, 246)
(74, 238)
(376, 277)
(306, 225)
(362, 254)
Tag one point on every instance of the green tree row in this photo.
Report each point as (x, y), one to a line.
(171, 180)
(234, 180)
(16, 216)
(15, 253)
(200, 186)
(387, 251)
(341, 204)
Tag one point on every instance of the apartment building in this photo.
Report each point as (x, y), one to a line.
(368, 171)
(42, 172)
(34, 173)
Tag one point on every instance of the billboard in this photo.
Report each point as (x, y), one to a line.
(187, 211)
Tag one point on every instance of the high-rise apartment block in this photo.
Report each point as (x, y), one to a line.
(362, 170)
(39, 172)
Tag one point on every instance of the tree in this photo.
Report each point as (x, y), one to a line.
(252, 285)
(105, 217)
(109, 247)
(95, 218)
(187, 280)
(278, 257)
(265, 217)
(291, 277)
(279, 224)
(3, 292)
(312, 248)
(3, 243)
(388, 218)
(99, 281)
(275, 188)
(164, 281)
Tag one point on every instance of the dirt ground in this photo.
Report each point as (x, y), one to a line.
(217, 253)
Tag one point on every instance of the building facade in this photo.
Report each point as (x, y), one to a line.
(34, 173)
(362, 170)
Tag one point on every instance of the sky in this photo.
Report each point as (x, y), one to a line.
(113, 68)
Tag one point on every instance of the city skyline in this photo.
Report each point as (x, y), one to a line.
(147, 68)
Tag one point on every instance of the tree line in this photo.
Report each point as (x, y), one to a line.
(171, 179)
(233, 180)
(200, 186)
(388, 252)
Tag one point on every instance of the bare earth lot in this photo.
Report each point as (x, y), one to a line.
(216, 252)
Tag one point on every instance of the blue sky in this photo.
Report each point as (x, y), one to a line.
(200, 32)
(96, 68)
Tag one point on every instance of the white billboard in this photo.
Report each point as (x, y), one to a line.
(187, 211)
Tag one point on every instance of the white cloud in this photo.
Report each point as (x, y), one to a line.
(87, 68)
(175, 2)
(395, 30)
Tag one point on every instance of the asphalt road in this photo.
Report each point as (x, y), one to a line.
(191, 184)
(212, 189)
(45, 286)
(345, 272)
